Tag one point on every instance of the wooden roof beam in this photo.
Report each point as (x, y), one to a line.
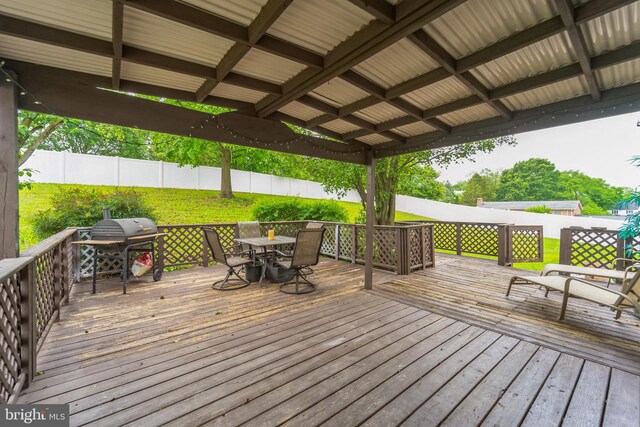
(117, 23)
(267, 16)
(567, 12)
(222, 27)
(380, 9)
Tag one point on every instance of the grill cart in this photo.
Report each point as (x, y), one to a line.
(115, 239)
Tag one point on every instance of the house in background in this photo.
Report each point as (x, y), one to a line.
(625, 208)
(559, 207)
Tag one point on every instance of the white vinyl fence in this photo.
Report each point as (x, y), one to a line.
(69, 168)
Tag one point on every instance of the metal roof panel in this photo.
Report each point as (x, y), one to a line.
(414, 129)
(613, 30)
(338, 93)
(380, 113)
(86, 17)
(373, 139)
(146, 31)
(53, 56)
(558, 91)
(398, 63)
(619, 75)
(242, 12)
(340, 126)
(265, 66)
(301, 111)
(158, 77)
(444, 91)
(319, 26)
(476, 24)
(467, 115)
(548, 54)
(225, 90)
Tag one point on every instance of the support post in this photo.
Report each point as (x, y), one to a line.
(337, 240)
(8, 168)
(565, 246)
(371, 189)
(28, 337)
(504, 245)
(458, 238)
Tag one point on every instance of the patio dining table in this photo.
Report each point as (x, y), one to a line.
(264, 243)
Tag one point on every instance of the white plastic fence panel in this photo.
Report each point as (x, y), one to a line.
(139, 173)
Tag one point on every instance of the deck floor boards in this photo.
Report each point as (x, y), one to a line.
(441, 347)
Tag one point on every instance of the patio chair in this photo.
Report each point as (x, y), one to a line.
(231, 259)
(627, 299)
(314, 224)
(247, 230)
(607, 273)
(306, 253)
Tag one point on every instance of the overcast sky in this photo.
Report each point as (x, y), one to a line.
(599, 148)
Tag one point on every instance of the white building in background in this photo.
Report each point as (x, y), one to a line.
(625, 208)
(558, 207)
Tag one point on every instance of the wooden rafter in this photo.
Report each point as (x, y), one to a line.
(221, 27)
(428, 45)
(267, 16)
(363, 44)
(117, 20)
(567, 12)
(545, 29)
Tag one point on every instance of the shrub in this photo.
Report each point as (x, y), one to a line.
(83, 208)
(539, 209)
(299, 210)
(593, 209)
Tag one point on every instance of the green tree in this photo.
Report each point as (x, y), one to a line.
(422, 182)
(533, 179)
(393, 172)
(591, 191)
(483, 184)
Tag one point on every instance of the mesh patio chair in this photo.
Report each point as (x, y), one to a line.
(233, 261)
(314, 224)
(305, 254)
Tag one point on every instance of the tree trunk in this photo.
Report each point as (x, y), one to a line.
(31, 147)
(225, 166)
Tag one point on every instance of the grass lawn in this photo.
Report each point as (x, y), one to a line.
(172, 206)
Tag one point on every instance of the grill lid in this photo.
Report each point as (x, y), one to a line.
(122, 229)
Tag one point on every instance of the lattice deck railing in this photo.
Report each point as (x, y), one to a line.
(509, 243)
(184, 245)
(596, 247)
(32, 288)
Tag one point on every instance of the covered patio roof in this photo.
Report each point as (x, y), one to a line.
(379, 77)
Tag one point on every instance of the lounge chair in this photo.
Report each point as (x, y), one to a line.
(305, 254)
(607, 273)
(627, 299)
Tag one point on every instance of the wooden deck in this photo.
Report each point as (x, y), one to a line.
(178, 353)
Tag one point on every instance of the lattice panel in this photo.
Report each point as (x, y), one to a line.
(105, 266)
(415, 248)
(45, 291)
(9, 335)
(480, 239)
(329, 240)
(444, 234)
(385, 247)
(429, 256)
(593, 248)
(346, 242)
(526, 244)
(185, 245)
